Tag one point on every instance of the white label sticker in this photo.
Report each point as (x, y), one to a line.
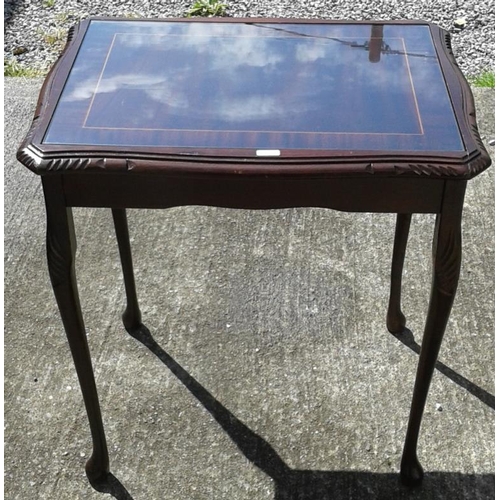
(268, 152)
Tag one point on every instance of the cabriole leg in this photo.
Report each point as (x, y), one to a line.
(447, 253)
(395, 318)
(132, 314)
(61, 247)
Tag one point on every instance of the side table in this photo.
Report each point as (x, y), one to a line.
(256, 114)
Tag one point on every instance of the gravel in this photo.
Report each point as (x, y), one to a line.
(35, 29)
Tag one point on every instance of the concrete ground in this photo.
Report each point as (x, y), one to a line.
(269, 375)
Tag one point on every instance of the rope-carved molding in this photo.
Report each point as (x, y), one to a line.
(66, 164)
(34, 161)
(427, 169)
(478, 165)
(71, 34)
(28, 159)
(449, 46)
(447, 42)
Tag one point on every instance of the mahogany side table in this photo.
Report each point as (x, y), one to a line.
(256, 114)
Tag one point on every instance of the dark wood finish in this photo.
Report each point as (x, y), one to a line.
(447, 253)
(132, 314)
(405, 177)
(256, 192)
(363, 160)
(61, 248)
(396, 320)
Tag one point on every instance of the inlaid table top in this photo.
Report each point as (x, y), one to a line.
(247, 95)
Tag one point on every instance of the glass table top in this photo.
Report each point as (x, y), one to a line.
(262, 88)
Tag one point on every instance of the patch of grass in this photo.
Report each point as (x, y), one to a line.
(13, 68)
(62, 17)
(486, 79)
(66, 16)
(207, 8)
(53, 37)
(48, 4)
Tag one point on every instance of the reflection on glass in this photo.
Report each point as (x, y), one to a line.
(376, 40)
(250, 85)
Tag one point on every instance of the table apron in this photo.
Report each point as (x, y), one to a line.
(389, 194)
